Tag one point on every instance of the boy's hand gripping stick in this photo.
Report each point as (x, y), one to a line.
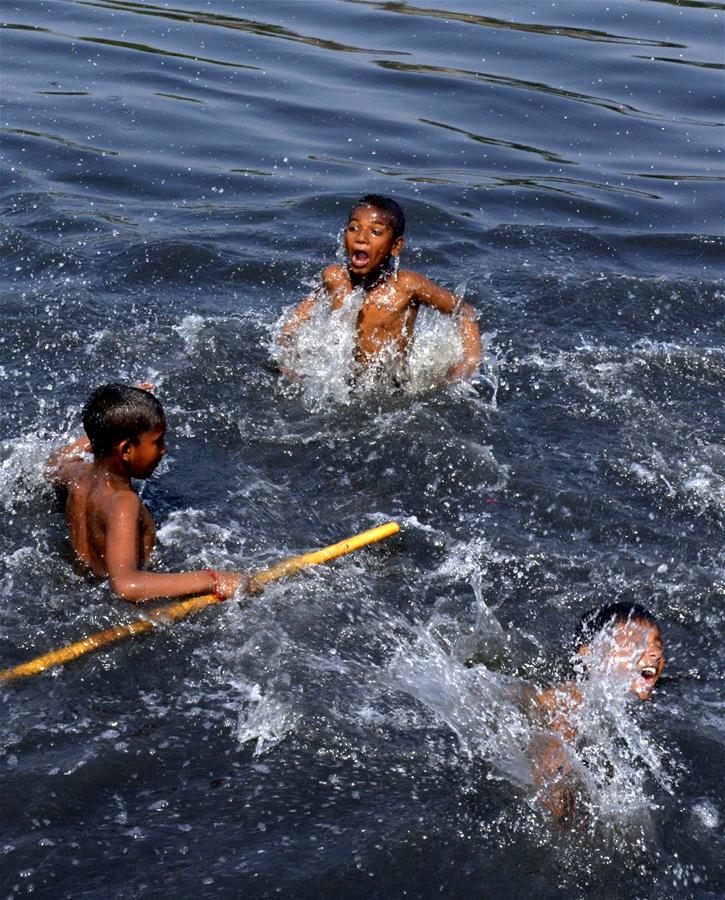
(173, 612)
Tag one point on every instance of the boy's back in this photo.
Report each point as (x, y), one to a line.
(91, 503)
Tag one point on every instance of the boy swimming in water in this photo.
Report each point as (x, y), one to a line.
(110, 529)
(373, 241)
(620, 651)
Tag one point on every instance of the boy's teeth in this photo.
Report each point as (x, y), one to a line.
(649, 671)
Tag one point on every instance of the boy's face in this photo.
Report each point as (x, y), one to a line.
(146, 452)
(631, 651)
(369, 240)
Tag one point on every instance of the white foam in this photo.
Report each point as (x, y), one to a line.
(265, 719)
(613, 757)
(321, 351)
(189, 330)
(706, 813)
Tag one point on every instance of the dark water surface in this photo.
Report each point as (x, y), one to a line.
(173, 176)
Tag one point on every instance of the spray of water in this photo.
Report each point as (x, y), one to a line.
(609, 758)
(321, 353)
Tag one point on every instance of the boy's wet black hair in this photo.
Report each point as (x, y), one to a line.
(386, 204)
(118, 412)
(595, 620)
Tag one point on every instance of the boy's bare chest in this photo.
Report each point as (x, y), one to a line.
(383, 305)
(383, 299)
(147, 533)
(386, 312)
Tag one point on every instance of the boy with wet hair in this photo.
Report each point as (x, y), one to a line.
(619, 645)
(111, 531)
(373, 241)
(621, 638)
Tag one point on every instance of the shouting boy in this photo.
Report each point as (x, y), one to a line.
(373, 241)
(620, 650)
(110, 529)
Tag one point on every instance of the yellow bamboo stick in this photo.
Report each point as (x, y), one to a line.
(173, 612)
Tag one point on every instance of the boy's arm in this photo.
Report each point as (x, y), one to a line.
(427, 292)
(60, 462)
(134, 584)
(300, 314)
(553, 770)
(334, 280)
(554, 775)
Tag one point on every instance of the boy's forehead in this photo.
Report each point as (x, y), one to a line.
(636, 631)
(373, 212)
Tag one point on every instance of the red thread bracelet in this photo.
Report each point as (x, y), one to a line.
(215, 588)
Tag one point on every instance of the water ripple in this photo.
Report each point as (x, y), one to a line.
(624, 109)
(579, 34)
(217, 20)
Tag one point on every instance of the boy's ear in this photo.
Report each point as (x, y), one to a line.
(398, 245)
(123, 447)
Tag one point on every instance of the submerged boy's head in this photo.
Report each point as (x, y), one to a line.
(374, 233)
(117, 412)
(623, 639)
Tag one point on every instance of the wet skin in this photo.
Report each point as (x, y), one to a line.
(390, 306)
(370, 243)
(112, 531)
(629, 653)
(146, 453)
(93, 488)
(630, 648)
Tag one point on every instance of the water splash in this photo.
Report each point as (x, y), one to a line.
(321, 353)
(613, 759)
(265, 719)
(22, 463)
(479, 705)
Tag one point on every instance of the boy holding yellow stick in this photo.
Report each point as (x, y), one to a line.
(111, 530)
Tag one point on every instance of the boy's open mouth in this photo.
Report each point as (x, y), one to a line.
(646, 681)
(644, 685)
(359, 258)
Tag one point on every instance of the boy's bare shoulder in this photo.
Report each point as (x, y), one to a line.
(409, 279)
(561, 695)
(557, 706)
(118, 512)
(335, 276)
(69, 463)
(124, 503)
(336, 281)
(423, 290)
(67, 473)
